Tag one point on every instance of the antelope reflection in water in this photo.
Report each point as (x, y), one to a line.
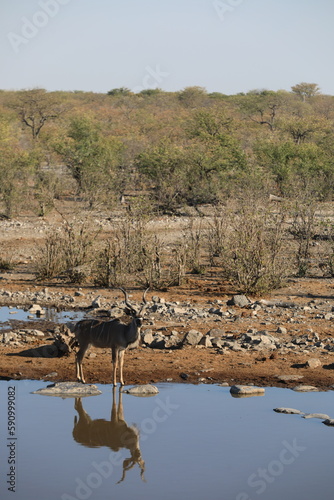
(116, 434)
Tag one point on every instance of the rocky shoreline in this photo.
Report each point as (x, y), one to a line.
(239, 332)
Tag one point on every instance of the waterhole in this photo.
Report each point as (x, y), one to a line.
(10, 314)
(195, 442)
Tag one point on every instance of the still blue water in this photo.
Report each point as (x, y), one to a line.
(188, 441)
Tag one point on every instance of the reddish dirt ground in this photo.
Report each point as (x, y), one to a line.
(189, 364)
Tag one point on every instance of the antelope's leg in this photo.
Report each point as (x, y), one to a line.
(114, 364)
(121, 360)
(79, 358)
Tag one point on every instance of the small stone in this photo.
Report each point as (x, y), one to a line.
(282, 330)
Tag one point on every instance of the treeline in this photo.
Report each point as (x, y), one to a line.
(175, 148)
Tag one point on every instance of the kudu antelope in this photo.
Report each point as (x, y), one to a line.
(116, 434)
(114, 334)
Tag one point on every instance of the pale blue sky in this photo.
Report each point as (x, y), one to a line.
(227, 46)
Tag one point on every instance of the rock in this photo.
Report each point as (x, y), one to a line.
(36, 309)
(288, 411)
(282, 330)
(51, 375)
(329, 421)
(159, 341)
(69, 389)
(142, 390)
(184, 376)
(36, 333)
(217, 342)
(193, 337)
(173, 340)
(216, 332)
(96, 304)
(289, 378)
(147, 337)
(313, 363)
(305, 388)
(205, 340)
(246, 390)
(322, 416)
(239, 301)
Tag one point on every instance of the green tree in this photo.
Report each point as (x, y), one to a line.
(36, 107)
(192, 97)
(306, 90)
(92, 159)
(16, 167)
(120, 91)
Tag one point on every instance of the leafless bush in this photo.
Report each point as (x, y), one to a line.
(303, 228)
(193, 241)
(148, 265)
(66, 252)
(216, 234)
(253, 256)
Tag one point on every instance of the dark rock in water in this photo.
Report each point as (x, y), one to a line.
(329, 421)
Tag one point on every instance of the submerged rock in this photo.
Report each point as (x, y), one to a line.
(288, 411)
(142, 390)
(69, 389)
(323, 416)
